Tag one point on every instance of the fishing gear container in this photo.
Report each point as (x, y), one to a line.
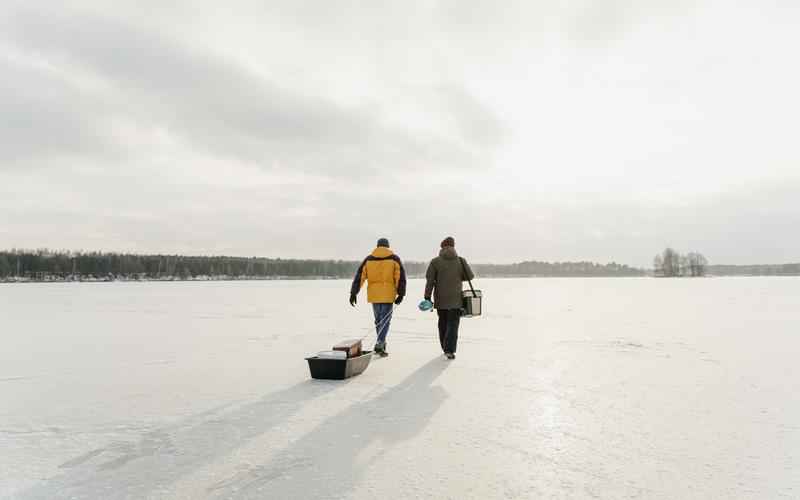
(472, 303)
(470, 299)
(338, 369)
(351, 347)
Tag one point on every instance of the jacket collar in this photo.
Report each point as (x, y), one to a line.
(448, 253)
(382, 252)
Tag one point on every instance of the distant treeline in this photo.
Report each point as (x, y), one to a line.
(556, 269)
(99, 264)
(47, 264)
(756, 270)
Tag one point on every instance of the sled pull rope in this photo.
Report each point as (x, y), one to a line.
(379, 325)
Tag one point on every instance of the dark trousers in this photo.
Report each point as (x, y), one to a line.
(448, 328)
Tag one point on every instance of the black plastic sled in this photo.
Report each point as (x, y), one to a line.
(338, 369)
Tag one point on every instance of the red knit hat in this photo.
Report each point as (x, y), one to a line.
(448, 242)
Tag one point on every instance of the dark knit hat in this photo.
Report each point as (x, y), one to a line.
(448, 242)
(383, 242)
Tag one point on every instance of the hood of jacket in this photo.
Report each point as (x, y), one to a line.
(382, 252)
(448, 253)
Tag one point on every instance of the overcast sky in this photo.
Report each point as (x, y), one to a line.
(575, 130)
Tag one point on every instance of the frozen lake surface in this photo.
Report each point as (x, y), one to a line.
(565, 388)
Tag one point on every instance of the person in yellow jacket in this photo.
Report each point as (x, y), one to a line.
(386, 285)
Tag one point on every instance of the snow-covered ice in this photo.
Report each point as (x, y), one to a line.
(565, 388)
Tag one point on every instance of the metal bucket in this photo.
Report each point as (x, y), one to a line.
(472, 303)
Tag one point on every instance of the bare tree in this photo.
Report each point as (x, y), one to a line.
(697, 263)
(702, 264)
(672, 263)
(658, 265)
(683, 264)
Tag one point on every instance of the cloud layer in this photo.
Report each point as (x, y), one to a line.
(287, 129)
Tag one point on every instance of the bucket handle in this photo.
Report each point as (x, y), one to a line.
(464, 270)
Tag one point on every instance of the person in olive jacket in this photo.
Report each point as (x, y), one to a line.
(386, 286)
(444, 277)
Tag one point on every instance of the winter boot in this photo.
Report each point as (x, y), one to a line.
(380, 349)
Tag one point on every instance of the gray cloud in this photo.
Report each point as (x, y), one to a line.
(474, 122)
(593, 22)
(43, 118)
(211, 103)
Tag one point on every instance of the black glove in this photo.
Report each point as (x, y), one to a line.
(398, 299)
(353, 299)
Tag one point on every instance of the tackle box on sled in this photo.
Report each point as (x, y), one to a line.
(323, 366)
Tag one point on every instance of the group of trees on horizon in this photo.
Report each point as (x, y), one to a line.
(670, 264)
(41, 263)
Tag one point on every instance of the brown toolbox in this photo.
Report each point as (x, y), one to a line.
(351, 347)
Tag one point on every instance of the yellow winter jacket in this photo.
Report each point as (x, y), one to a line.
(385, 276)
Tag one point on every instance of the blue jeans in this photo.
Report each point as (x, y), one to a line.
(382, 313)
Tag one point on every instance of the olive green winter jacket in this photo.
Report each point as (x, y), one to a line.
(444, 278)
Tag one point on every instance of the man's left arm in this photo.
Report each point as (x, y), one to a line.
(400, 278)
(469, 275)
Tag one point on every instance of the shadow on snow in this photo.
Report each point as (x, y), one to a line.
(324, 462)
(331, 459)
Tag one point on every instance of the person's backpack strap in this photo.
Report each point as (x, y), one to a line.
(464, 270)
